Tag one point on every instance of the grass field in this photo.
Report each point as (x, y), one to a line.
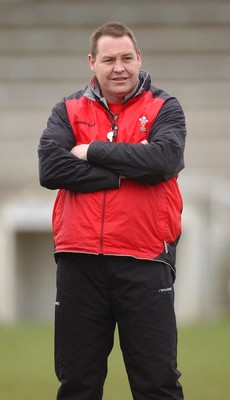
(26, 363)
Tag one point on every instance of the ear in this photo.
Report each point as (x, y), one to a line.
(91, 62)
(139, 57)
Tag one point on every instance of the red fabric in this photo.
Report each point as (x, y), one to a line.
(134, 220)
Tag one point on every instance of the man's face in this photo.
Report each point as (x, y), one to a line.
(116, 67)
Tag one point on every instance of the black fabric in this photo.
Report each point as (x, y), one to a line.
(59, 168)
(93, 294)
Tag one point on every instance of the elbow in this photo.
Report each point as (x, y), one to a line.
(173, 161)
(46, 172)
(170, 170)
(46, 181)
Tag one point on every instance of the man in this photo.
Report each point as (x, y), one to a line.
(114, 151)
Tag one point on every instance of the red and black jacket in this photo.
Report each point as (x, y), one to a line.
(97, 212)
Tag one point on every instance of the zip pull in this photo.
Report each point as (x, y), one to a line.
(166, 247)
(112, 135)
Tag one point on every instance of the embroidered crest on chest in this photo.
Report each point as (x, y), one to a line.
(143, 120)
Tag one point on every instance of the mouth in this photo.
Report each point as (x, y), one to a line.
(119, 79)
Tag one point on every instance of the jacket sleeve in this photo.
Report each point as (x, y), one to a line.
(59, 168)
(159, 160)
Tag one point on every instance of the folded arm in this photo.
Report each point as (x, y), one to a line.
(159, 160)
(59, 168)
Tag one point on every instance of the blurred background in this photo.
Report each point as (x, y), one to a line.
(43, 56)
(43, 48)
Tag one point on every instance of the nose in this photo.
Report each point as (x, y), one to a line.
(118, 67)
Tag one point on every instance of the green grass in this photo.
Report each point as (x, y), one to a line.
(26, 363)
(204, 358)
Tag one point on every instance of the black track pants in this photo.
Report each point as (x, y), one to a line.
(93, 294)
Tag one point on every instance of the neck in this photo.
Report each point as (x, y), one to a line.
(115, 107)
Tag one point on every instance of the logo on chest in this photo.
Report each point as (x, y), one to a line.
(90, 125)
(143, 120)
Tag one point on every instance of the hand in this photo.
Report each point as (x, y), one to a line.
(80, 151)
(144, 141)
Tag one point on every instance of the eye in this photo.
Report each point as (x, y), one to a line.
(128, 58)
(108, 60)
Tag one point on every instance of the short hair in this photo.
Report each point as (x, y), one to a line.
(114, 29)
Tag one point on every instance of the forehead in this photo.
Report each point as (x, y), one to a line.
(111, 46)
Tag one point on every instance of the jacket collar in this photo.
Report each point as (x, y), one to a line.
(93, 91)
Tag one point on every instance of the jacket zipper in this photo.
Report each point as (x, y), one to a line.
(112, 135)
(112, 138)
(115, 127)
